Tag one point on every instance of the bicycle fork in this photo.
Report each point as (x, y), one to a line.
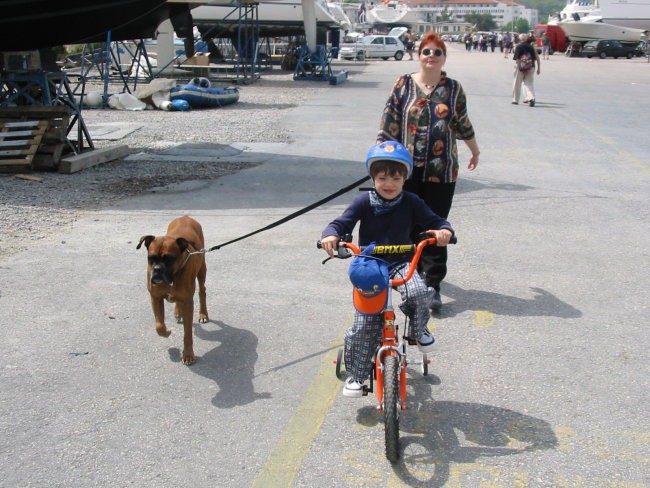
(390, 347)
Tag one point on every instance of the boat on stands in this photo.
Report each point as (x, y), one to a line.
(36, 24)
(626, 13)
(618, 20)
(274, 19)
(593, 28)
(573, 10)
(345, 24)
(392, 13)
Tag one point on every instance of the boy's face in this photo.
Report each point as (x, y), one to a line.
(388, 187)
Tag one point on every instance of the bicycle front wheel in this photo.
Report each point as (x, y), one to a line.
(391, 406)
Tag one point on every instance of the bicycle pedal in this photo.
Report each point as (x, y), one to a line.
(411, 341)
(365, 392)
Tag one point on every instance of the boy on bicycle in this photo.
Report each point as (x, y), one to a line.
(386, 215)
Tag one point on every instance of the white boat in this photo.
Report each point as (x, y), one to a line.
(274, 18)
(626, 13)
(593, 28)
(345, 24)
(573, 10)
(392, 12)
(621, 20)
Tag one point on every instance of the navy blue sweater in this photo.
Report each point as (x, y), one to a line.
(393, 227)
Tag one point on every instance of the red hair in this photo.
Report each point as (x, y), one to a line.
(432, 38)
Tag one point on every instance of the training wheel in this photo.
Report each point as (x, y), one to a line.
(425, 365)
(339, 363)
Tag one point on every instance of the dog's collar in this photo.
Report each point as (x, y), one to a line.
(186, 260)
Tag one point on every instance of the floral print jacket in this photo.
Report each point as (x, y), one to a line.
(428, 125)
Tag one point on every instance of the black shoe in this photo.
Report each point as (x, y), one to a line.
(532, 103)
(436, 301)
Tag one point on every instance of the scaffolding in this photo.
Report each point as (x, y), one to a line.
(313, 65)
(41, 88)
(239, 52)
(123, 63)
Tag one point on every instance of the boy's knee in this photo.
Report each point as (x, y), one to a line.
(423, 298)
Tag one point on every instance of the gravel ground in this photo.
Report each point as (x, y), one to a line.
(32, 210)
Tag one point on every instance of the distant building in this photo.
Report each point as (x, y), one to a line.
(502, 11)
(444, 16)
(451, 28)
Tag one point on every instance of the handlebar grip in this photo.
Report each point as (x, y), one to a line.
(319, 245)
(423, 235)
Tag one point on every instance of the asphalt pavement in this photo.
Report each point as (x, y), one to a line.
(541, 374)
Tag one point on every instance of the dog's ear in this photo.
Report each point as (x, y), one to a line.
(147, 240)
(184, 243)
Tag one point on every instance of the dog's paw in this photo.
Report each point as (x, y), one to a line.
(163, 331)
(203, 318)
(188, 359)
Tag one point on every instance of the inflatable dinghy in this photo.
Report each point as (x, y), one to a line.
(199, 94)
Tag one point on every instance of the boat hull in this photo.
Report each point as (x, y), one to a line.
(34, 24)
(392, 15)
(634, 14)
(598, 31)
(275, 19)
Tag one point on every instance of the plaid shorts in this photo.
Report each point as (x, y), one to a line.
(363, 338)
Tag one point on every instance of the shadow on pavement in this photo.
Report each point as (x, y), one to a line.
(231, 365)
(435, 435)
(543, 303)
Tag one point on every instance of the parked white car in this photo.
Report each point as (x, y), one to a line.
(383, 47)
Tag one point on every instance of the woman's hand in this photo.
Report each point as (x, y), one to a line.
(443, 236)
(473, 162)
(472, 145)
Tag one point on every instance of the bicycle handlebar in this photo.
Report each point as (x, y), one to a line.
(345, 247)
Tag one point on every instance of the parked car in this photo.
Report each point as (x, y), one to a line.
(604, 49)
(383, 47)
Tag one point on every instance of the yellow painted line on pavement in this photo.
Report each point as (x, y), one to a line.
(283, 463)
(608, 140)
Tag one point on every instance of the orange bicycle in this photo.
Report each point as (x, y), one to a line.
(390, 359)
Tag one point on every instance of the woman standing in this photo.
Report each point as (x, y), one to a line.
(427, 112)
(409, 43)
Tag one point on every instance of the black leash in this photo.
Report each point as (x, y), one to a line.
(292, 216)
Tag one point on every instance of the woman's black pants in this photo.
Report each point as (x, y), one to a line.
(438, 196)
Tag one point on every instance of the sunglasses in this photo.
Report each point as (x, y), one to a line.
(436, 52)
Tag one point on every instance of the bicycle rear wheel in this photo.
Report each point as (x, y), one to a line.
(391, 406)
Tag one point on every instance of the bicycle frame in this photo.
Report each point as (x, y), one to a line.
(391, 343)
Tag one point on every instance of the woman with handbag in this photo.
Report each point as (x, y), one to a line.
(525, 58)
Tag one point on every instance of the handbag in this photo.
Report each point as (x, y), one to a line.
(525, 62)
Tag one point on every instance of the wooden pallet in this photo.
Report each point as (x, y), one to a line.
(19, 142)
(54, 142)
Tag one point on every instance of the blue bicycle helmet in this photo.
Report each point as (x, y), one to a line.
(391, 151)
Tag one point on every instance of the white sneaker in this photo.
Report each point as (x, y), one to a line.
(426, 342)
(352, 389)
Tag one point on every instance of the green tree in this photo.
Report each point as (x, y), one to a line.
(444, 16)
(482, 22)
(519, 25)
(545, 7)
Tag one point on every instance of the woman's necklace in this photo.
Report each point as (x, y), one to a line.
(430, 86)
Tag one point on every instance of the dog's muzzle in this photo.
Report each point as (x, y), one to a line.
(161, 275)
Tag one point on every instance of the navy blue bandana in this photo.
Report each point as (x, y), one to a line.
(380, 205)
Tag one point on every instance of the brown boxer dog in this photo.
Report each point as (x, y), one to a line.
(172, 274)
